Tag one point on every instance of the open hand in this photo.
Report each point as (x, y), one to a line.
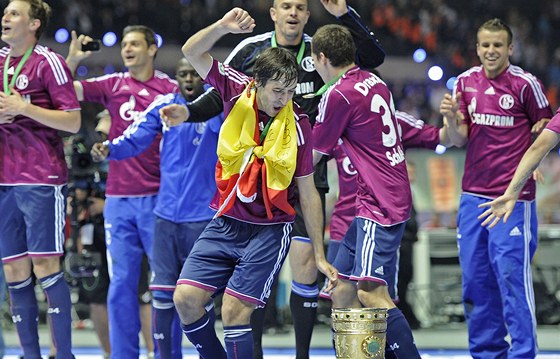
(501, 207)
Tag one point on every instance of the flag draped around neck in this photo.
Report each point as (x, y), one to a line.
(242, 158)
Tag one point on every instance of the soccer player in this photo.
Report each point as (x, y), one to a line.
(132, 183)
(504, 206)
(358, 109)
(264, 151)
(415, 134)
(36, 102)
(188, 160)
(495, 109)
(290, 18)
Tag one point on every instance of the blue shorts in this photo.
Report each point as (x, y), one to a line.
(243, 258)
(172, 244)
(32, 221)
(344, 260)
(375, 254)
(331, 256)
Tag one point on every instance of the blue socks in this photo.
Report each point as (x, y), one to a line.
(239, 342)
(238, 339)
(60, 313)
(167, 327)
(203, 336)
(399, 336)
(25, 316)
(164, 316)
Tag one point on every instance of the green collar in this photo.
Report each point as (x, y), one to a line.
(301, 50)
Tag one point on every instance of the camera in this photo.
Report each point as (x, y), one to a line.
(93, 45)
(81, 163)
(83, 265)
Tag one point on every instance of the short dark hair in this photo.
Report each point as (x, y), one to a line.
(41, 11)
(276, 63)
(148, 33)
(336, 43)
(496, 25)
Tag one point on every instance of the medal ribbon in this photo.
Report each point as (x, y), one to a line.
(16, 72)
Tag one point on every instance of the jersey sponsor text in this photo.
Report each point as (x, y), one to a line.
(492, 120)
(305, 88)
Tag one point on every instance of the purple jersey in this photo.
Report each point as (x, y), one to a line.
(126, 98)
(499, 113)
(230, 84)
(32, 153)
(554, 124)
(359, 110)
(415, 134)
(344, 210)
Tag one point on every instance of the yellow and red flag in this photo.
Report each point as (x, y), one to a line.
(242, 157)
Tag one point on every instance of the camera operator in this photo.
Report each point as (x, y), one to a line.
(90, 262)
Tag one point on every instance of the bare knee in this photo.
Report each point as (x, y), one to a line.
(189, 302)
(18, 270)
(45, 266)
(302, 262)
(236, 311)
(375, 296)
(344, 295)
(366, 298)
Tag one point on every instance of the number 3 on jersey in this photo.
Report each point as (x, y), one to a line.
(387, 112)
(388, 118)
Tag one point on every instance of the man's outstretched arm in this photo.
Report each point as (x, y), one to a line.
(370, 53)
(197, 47)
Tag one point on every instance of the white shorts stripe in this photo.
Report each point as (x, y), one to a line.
(527, 276)
(368, 248)
(285, 246)
(60, 219)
